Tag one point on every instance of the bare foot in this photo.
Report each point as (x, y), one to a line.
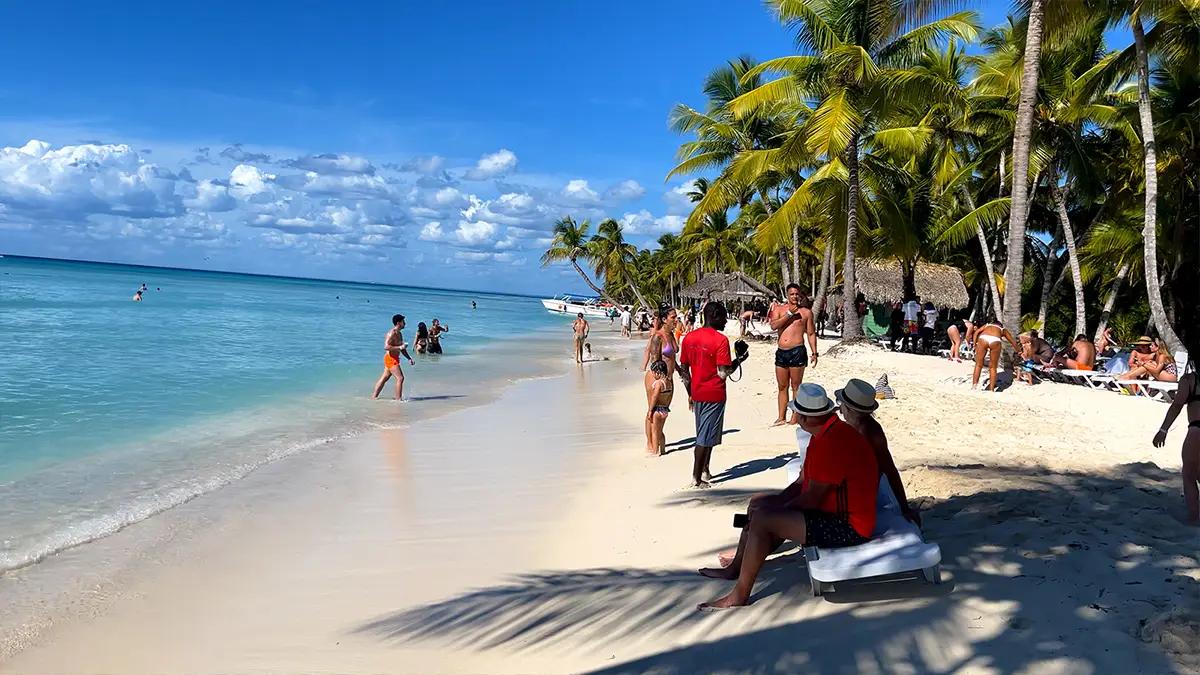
(726, 557)
(700, 485)
(779, 422)
(717, 573)
(706, 477)
(728, 602)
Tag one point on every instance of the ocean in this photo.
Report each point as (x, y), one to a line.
(112, 411)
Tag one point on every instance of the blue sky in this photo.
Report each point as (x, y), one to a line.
(392, 143)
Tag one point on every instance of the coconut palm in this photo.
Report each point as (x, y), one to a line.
(613, 257)
(570, 244)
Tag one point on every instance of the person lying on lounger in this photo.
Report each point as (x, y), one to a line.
(831, 505)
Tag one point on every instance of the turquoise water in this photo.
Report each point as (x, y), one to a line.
(111, 410)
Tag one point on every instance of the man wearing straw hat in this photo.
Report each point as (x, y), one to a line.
(831, 505)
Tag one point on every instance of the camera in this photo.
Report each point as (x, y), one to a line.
(741, 350)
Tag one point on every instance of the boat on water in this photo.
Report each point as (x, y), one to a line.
(576, 304)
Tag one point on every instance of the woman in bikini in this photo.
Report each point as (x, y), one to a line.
(989, 341)
(1188, 395)
(663, 344)
(1160, 365)
(422, 341)
(959, 332)
(659, 392)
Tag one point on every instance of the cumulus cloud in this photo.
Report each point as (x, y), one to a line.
(483, 256)
(249, 180)
(577, 191)
(645, 223)
(237, 153)
(677, 198)
(338, 185)
(475, 233)
(625, 191)
(211, 197)
(332, 164)
(432, 232)
(497, 164)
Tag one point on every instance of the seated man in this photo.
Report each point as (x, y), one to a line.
(1081, 355)
(831, 505)
(857, 404)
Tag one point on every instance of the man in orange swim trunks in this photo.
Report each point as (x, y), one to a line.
(394, 348)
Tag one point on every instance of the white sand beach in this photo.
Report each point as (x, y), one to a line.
(539, 538)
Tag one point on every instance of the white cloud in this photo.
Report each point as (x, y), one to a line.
(645, 223)
(211, 197)
(474, 233)
(425, 164)
(432, 232)
(677, 198)
(625, 191)
(497, 164)
(248, 180)
(334, 185)
(333, 164)
(578, 192)
(481, 256)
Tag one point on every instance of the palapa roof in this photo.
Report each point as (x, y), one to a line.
(882, 281)
(725, 287)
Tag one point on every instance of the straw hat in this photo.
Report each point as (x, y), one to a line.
(857, 395)
(811, 401)
(1143, 341)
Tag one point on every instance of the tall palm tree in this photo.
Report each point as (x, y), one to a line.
(1022, 138)
(614, 257)
(855, 66)
(570, 244)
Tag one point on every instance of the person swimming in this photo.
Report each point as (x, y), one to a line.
(660, 390)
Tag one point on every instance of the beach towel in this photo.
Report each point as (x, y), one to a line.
(884, 391)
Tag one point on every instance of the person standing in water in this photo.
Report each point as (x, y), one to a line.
(580, 329)
(1188, 394)
(435, 336)
(794, 323)
(393, 349)
(660, 389)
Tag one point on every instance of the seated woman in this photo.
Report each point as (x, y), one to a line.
(422, 341)
(988, 345)
(659, 392)
(1151, 361)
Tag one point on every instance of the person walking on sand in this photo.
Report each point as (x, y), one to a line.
(659, 392)
(1188, 394)
(705, 364)
(626, 323)
(988, 345)
(794, 323)
(831, 505)
(580, 329)
(930, 316)
(393, 349)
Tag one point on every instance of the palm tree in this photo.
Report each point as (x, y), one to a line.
(570, 244)
(1022, 138)
(856, 66)
(613, 257)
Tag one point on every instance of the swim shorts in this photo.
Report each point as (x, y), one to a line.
(827, 530)
(710, 419)
(390, 361)
(796, 357)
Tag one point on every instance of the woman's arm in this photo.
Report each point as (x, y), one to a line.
(1182, 394)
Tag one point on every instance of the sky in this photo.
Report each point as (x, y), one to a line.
(431, 144)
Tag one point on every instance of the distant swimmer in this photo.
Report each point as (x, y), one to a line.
(394, 348)
(137, 296)
(435, 336)
(580, 328)
(473, 304)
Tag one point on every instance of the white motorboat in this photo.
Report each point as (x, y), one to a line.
(574, 304)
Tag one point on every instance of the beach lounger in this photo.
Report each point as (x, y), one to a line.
(1153, 389)
(896, 547)
(760, 329)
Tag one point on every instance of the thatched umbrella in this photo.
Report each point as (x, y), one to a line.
(726, 287)
(882, 282)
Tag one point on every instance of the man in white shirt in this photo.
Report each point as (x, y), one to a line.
(931, 315)
(912, 316)
(626, 323)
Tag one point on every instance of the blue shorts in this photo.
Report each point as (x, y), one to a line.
(710, 419)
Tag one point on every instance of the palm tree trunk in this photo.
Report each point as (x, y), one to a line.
(1064, 222)
(1015, 269)
(636, 293)
(1111, 300)
(983, 243)
(595, 289)
(851, 321)
(1048, 276)
(1002, 177)
(796, 253)
(819, 304)
(1150, 230)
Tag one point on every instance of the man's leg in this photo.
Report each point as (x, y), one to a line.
(1191, 476)
(399, 375)
(782, 378)
(382, 381)
(763, 531)
(699, 465)
(796, 378)
(732, 560)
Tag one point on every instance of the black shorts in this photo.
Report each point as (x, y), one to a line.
(826, 530)
(796, 357)
(435, 347)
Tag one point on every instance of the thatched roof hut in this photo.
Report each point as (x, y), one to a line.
(882, 281)
(726, 287)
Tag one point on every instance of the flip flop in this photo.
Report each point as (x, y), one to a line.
(710, 609)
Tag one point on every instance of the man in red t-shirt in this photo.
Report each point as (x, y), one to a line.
(704, 363)
(832, 505)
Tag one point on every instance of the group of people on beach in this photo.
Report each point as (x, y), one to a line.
(428, 341)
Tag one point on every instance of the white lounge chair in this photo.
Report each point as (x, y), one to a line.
(896, 547)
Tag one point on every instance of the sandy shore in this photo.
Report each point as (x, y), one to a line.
(538, 538)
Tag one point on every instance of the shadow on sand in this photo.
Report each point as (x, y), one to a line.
(1035, 551)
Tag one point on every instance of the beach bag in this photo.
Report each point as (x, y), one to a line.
(883, 390)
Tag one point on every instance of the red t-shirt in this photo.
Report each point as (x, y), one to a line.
(703, 350)
(840, 456)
